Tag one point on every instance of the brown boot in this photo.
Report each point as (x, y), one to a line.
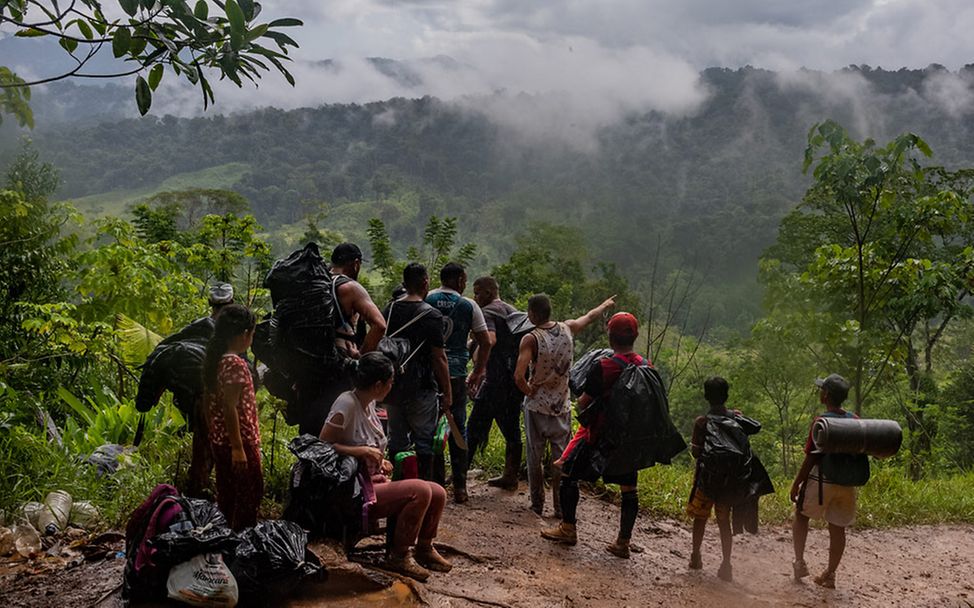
(562, 533)
(512, 462)
(429, 558)
(620, 548)
(407, 566)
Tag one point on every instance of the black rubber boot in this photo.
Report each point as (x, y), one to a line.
(512, 463)
(424, 464)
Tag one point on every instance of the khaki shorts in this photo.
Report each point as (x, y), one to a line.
(700, 506)
(838, 502)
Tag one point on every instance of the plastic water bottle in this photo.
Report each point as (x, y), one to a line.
(26, 540)
(56, 513)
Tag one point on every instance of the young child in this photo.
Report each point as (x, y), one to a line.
(715, 391)
(232, 408)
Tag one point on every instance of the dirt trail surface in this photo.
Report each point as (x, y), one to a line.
(503, 561)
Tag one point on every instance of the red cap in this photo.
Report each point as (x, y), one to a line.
(623, 324)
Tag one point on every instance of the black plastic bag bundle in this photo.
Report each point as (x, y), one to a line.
(289, 276)
(324, 495)
(581, 369)
(176, 366)
(209, 534)
(271, 559)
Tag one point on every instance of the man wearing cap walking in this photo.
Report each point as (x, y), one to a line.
(353, 305)
(831, 502)
(623, 329)
(546, 353)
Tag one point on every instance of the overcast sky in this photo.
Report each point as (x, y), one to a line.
(583, 62)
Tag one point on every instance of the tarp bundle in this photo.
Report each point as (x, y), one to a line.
(583, 366)
(324, 496)
(877, 438)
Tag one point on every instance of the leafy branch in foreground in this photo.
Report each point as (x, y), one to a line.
(148, 37)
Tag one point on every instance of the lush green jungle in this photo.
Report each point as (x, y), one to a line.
(786, 229)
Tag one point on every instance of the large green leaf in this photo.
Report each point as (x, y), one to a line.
(143, 95)
(135, 341)
(238, 27)
(121, 41)
(76, 405)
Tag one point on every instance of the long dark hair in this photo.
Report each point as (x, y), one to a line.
(371, 368)
(234, 320)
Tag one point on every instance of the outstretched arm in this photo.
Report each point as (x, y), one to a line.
(577, 325)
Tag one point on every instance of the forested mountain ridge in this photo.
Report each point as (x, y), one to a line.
(713, 184)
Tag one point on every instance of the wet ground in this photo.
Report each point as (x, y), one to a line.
(501, 560)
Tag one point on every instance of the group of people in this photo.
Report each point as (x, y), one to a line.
(511, 373)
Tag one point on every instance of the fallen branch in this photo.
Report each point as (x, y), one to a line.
(469, 598)
(107, 595)
(414, 586)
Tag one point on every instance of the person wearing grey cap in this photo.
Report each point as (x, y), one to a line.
(833, 503)
(221, 294)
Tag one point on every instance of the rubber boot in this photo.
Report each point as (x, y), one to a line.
(458, 470)
(439, 469)
(556, 491)
(424, 464)
(512, 462)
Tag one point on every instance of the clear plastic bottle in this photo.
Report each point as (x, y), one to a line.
(26, 540)
(56, 514)
(84, 514)
(6, 541)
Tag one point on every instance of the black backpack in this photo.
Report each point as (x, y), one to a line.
(724, 465)
(508, 329)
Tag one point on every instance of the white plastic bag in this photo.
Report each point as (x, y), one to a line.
(203, 581)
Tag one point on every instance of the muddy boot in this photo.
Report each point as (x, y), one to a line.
(620, 548)
(562, 533)
(826, 579)
(424, 466)
(556, 491)
(429, 558)
(725, 572)
(458, 471)
(439, 469)
(512, 462)
(407, 566)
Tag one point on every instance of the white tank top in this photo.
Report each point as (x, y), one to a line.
(549, 373)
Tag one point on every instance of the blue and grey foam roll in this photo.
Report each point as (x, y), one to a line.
(877, 438)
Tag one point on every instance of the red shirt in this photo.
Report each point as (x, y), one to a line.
(233, 370)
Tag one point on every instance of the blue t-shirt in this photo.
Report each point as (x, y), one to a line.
(460, 316)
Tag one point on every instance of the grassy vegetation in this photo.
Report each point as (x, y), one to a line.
(118, 202)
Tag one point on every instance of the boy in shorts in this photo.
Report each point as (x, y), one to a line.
(815, 497)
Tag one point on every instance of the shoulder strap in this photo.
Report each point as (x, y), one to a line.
(337, 301)
(419, 316)
(622, 362)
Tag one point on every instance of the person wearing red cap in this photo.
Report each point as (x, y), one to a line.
(623, 329)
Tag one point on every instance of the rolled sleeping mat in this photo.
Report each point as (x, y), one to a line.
(877, 438)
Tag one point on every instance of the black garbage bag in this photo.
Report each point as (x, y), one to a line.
(638, 431)
(209, 534)
(199, 332)
(178, 367)
(581, 369)
(324, 495)
(271, 559)
(289, 276)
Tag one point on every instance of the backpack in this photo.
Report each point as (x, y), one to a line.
(163, 511)
(843, 469)
(583, 367)
(400, 350)
(508, 330)
(724, 466)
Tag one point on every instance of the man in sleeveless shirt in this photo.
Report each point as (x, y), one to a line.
(547, 354)
(354, 306)
(462, 318)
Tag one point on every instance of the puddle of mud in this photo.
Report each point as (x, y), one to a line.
(351, 594)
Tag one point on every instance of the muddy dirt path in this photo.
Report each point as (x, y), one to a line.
(509, 564)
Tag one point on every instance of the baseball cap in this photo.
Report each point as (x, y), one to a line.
(345, 253)
(835, 385)
(623, 324)
(221, 293)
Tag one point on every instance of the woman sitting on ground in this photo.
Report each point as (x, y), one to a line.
(354, 429)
